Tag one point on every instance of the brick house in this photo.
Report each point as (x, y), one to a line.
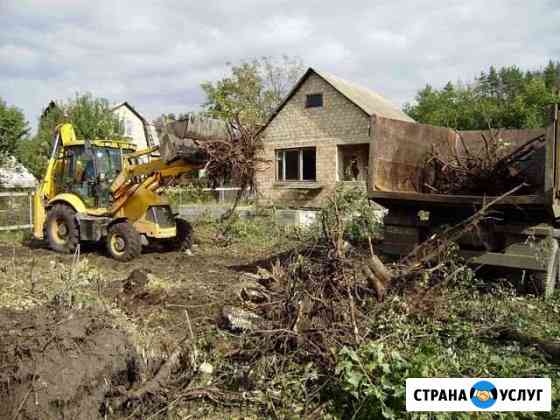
(319, 136)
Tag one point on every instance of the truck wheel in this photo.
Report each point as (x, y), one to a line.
(123, 242)
(62, 229)
(183, 240)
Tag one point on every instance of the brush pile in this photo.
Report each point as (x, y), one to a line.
(322, 298)
(487, 165)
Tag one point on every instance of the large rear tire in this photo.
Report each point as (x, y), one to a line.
(123, 242)
(63, 233)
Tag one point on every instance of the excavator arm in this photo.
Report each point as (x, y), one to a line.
(149, 175)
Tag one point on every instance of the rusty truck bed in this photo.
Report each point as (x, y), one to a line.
(398, 155)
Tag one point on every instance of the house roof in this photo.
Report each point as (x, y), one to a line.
(134, 111)
(13, 175)
(367, 100)
(372, 103)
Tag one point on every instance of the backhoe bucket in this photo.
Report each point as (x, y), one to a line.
(177, 141)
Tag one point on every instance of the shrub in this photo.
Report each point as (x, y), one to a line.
(359, 216)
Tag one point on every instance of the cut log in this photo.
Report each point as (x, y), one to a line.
(379, 269)
(374, 282)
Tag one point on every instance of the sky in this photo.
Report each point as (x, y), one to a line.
(156, 53)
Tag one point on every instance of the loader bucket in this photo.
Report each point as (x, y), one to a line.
(177, 141)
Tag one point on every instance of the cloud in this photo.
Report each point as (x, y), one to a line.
(155, 54)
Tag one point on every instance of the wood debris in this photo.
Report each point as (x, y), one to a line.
(486, 167)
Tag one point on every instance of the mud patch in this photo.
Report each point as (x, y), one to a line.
(61, 364)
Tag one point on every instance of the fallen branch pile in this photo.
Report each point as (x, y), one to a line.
(322, 299)
(485, 168)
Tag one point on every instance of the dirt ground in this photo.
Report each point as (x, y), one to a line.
(136, 311)
(87, 337)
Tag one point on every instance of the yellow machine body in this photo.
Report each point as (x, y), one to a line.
(131, 193)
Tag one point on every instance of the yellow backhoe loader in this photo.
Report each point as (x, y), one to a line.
(97, 190)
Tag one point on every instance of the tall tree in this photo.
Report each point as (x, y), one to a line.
(551, 75)
(252, 90)
(504, 97)
(13, 128)
(91, 117)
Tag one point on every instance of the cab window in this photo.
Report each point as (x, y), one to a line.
(109, 162)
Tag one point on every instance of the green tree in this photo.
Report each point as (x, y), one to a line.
(551, 75)
(252, 90)
(91, 117)
(505, 97)
(13, 128)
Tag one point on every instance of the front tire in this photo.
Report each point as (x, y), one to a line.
(63, 233)
(123, 242)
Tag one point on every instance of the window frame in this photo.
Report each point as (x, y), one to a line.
(280, 155)
(307, 100)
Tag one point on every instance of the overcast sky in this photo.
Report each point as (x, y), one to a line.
(155, 53)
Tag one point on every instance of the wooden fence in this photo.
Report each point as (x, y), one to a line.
(16, 210)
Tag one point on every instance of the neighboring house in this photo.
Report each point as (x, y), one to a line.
(15, 177)
(136, 127)
(318, 136)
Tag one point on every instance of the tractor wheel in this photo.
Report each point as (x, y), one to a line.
(183, 240)
(62, 229)
(123, 242)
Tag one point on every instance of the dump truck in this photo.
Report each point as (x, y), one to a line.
(521, 239)
(106, 190)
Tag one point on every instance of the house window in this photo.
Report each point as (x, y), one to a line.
(296, 164)
(314, 100)
(353, 162)
(128, 128)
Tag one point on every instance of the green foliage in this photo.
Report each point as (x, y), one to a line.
(450, 332)
(92, 119)
(253, 89)
(507, 97)
(374, 378)
(356, 211)
(163, 119)
(13, 128)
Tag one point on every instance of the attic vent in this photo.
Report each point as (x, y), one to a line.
(314, 100)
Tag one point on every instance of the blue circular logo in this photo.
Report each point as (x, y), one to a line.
(483, 394)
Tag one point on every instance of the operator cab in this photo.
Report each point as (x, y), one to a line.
(88, 170)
